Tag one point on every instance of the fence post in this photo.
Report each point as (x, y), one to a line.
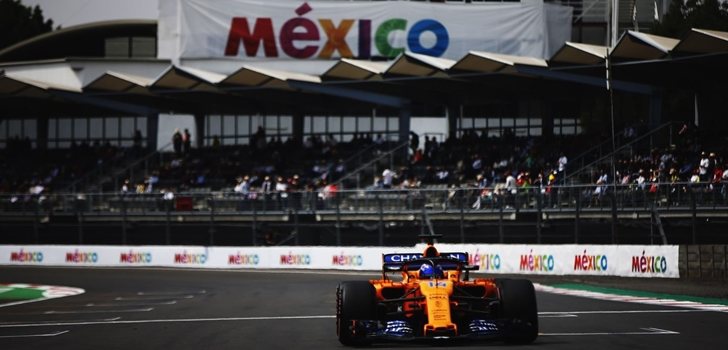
(381, 220)
(694, 218)
(338, 219)
(123, 219)
(614, 215)
(500, 222)
(79, 215)
(295, 223)
(254, 227)
(461, 194)
(167, 229)
(577, 215)
(539, 212)
(211, 202)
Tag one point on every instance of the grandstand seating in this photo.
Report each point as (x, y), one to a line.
(453, 162)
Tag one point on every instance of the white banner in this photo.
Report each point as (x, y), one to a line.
(306, 30)
(573, 259)
(597, 260)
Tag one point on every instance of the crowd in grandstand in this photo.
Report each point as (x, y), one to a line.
(24, 169)
(268, 165)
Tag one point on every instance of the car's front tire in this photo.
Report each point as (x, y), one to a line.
(518, 303)
(355, 300)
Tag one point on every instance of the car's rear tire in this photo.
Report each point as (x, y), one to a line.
(355, 300)
(518, 303)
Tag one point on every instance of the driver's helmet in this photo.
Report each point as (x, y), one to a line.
(429, 271)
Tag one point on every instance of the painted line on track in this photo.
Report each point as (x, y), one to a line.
(173, 320)
(646, 331)
(606, 312)
(58, 312)
(171, 302)
(33, 335)
(188, 296)
(55, 322)
(277, 318)
(171, 294)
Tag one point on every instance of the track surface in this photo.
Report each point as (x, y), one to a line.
(189, 309)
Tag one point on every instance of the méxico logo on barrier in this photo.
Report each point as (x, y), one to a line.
(23, 256)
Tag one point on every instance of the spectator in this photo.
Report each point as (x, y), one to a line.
(601, 187)
(387, 177)
(125, 187)
(151, 181)
(379, 140)
(177, 142)
(483, 191)
(414, 141)
(562, 166)
(243, 185)
(281, 185)
(137, 140)
(186, 141)
(265, 187)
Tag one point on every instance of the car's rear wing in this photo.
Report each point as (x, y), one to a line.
(412, 261)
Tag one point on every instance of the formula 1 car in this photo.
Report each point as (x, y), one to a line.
(435, 300)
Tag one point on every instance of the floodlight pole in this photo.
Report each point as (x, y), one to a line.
(614, 26)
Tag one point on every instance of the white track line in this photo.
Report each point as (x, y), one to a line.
(58, 312)
(178, 320)
(604, 312)
(171, 293)
(172, 302)
(34, 335)
(188, 296)
(278, 318)
(647, 331)
(55, 322)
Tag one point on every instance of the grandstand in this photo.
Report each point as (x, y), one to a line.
(300, 157)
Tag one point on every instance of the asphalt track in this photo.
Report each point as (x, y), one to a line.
(193, 309)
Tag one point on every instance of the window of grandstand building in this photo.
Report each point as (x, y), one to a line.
(134, 47)
(117, 131)
(522, 120)
(14, 130)
(567, 126)
(239, 129)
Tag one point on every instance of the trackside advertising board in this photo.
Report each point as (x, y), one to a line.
(595, 260)
(323, 30)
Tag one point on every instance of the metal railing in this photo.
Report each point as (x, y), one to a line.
(591, 165)
(371, 165)
(662, 196)
(535, 207)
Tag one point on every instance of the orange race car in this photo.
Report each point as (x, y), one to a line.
(434, 300)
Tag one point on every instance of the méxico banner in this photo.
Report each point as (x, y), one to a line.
(528, 259)
(323, 30)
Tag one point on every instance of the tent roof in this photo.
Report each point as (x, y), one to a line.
(413, 64)
(353, 69)
(487, 62)
(350, 83)
(119, 82)
(703, 41)
(577, 53)
(636, 45)
(266, 77)
(185, 78)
